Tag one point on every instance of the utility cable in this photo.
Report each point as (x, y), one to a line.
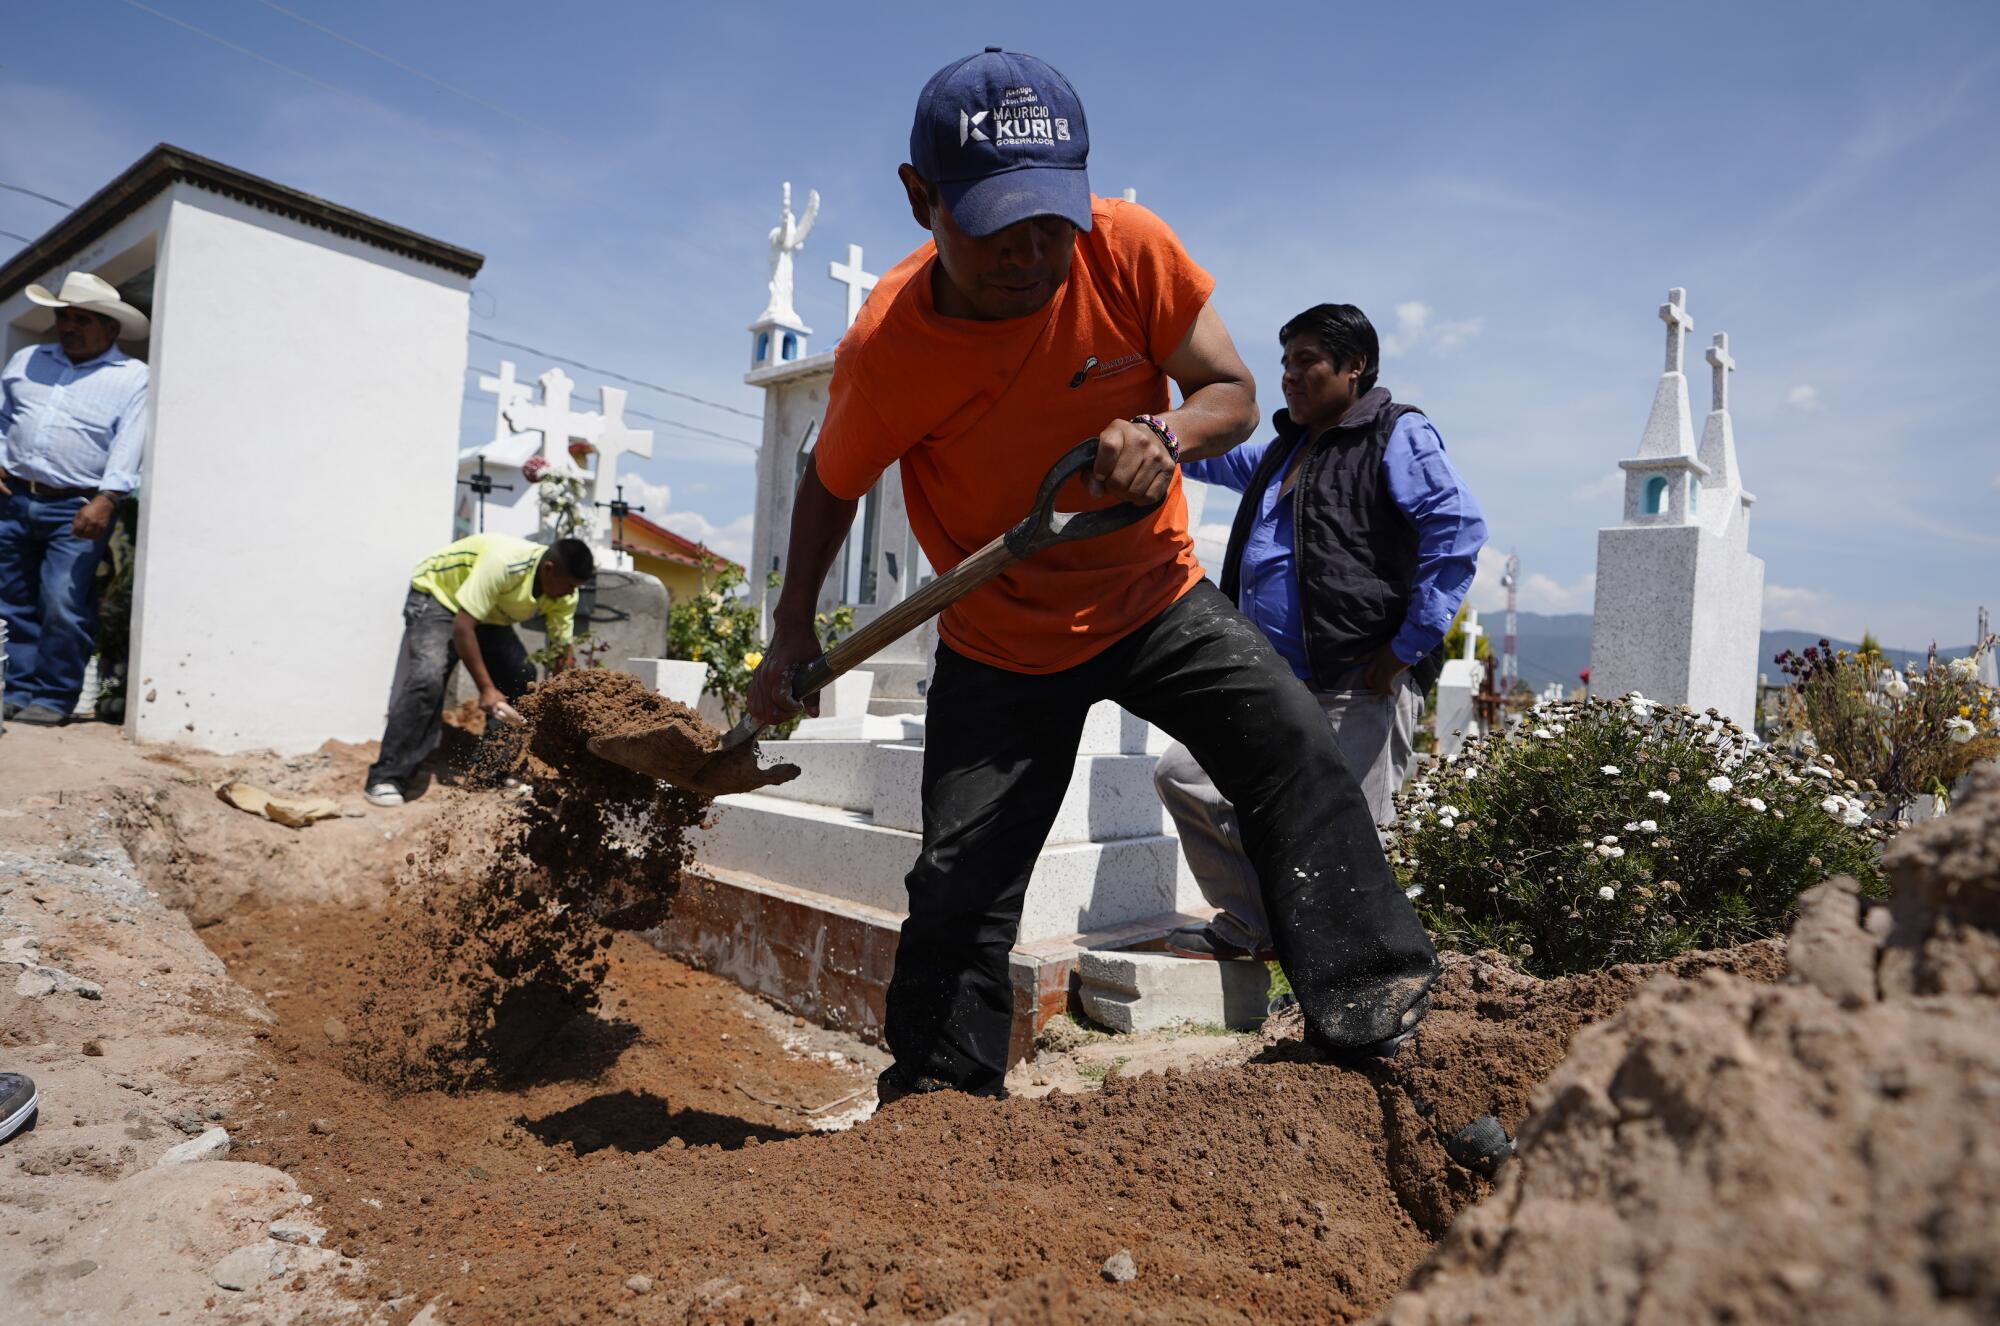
(411, 70)
(15, 188)
(637, 382)
(638, 414)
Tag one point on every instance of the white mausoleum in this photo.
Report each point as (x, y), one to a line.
(1679, 595)
(307, 363)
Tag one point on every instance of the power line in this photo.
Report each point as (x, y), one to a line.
(641, 414)
(240, 50)
(392, 61)
(15, 188)
(637, 382)
(11, 235)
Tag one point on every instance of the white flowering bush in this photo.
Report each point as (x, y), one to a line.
(1608, 831)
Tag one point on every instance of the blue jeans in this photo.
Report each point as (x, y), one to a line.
(48, 598)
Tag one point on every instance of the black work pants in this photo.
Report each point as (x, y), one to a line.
(999, 750)
(423, 670)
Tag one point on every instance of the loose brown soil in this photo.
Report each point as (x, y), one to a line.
(501, 917)
(642, 1143)
(647, 734)
(1708, 1144)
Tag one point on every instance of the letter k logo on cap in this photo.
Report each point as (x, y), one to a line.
(968, 128)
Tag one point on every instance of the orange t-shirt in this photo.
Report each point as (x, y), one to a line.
(977, 412)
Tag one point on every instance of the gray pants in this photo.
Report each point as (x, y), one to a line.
(1374, 733)
(423, 669)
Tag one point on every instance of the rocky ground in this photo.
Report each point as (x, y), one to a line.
(1696, 1142)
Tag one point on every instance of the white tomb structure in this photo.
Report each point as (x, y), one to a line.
(1985, 660)
(1679, 595)
(1457, 683)
(307, 366)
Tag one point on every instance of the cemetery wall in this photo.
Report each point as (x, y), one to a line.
(306, 403)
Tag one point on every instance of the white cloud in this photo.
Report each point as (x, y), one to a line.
(1538, 592)
(731, 539)
(1805, 397)
(1451, 335)
(1414, 327)
(1410, 320)
(1796, 608)
(1604, 488)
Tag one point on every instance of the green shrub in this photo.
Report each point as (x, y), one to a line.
(1607, 831)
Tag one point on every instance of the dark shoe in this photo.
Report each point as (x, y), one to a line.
(1201, 941)
(892, 1084)
(17, 1104)
(40, 715)
(9, 709)
(1481, 1145)
(1357, 1056)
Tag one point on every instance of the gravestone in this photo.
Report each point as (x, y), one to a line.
(1679, 600)
(1458, 682)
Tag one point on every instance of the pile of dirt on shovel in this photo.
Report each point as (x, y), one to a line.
(1820, 1151)
(504, 907)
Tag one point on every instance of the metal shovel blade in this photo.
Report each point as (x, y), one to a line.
(673, 754)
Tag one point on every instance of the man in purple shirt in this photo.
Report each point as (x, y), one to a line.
(1352, 548)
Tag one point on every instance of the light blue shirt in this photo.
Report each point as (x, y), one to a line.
(1425, 488)
(73, 425)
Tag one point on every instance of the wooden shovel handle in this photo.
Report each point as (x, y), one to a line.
(1042, 527)
(903, 618)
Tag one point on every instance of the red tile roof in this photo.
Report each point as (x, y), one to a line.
(641, 535)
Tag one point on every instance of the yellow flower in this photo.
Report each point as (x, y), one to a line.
(752, 659)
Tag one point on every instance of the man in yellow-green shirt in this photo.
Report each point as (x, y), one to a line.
(463, 602)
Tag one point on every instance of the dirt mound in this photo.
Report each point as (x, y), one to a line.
(502, 908)
(1821, 1151)
(1274, 1189)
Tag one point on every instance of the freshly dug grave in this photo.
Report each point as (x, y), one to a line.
(1819, 1152)
(640, 1143)
(501, 914)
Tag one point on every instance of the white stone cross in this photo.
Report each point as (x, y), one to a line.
(1679, 324)
(510, 392)
(615, 439)
(553, 419)
(857, 281)
(1472, 633)
(1723, 366)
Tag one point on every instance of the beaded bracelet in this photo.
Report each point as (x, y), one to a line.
(1162, 430)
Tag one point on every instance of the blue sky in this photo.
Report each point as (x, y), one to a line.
(1508, 190)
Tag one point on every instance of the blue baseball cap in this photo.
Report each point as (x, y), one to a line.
(1002, 135)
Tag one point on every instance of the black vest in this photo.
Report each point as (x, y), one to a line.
(1353, 549)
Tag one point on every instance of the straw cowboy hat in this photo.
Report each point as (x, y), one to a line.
(92, 295)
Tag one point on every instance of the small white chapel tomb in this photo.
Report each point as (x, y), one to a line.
(1457, 683)
(1679, 595)
(307, 363)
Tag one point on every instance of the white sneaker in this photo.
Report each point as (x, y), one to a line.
(384, 794)
(18, 1101)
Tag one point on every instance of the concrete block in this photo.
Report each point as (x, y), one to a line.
(1109, 730)
(842, 854)
(679, 679)
(1147, 991)
(831, 773)
(1109, 797)
(848, 696)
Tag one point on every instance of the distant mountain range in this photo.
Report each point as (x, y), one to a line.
(1556, 646)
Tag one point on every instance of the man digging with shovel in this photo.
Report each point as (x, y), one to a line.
(1038, 315)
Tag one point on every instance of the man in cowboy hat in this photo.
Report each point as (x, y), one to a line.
(72, 428)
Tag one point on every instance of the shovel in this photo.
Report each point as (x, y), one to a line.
(675, 753)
